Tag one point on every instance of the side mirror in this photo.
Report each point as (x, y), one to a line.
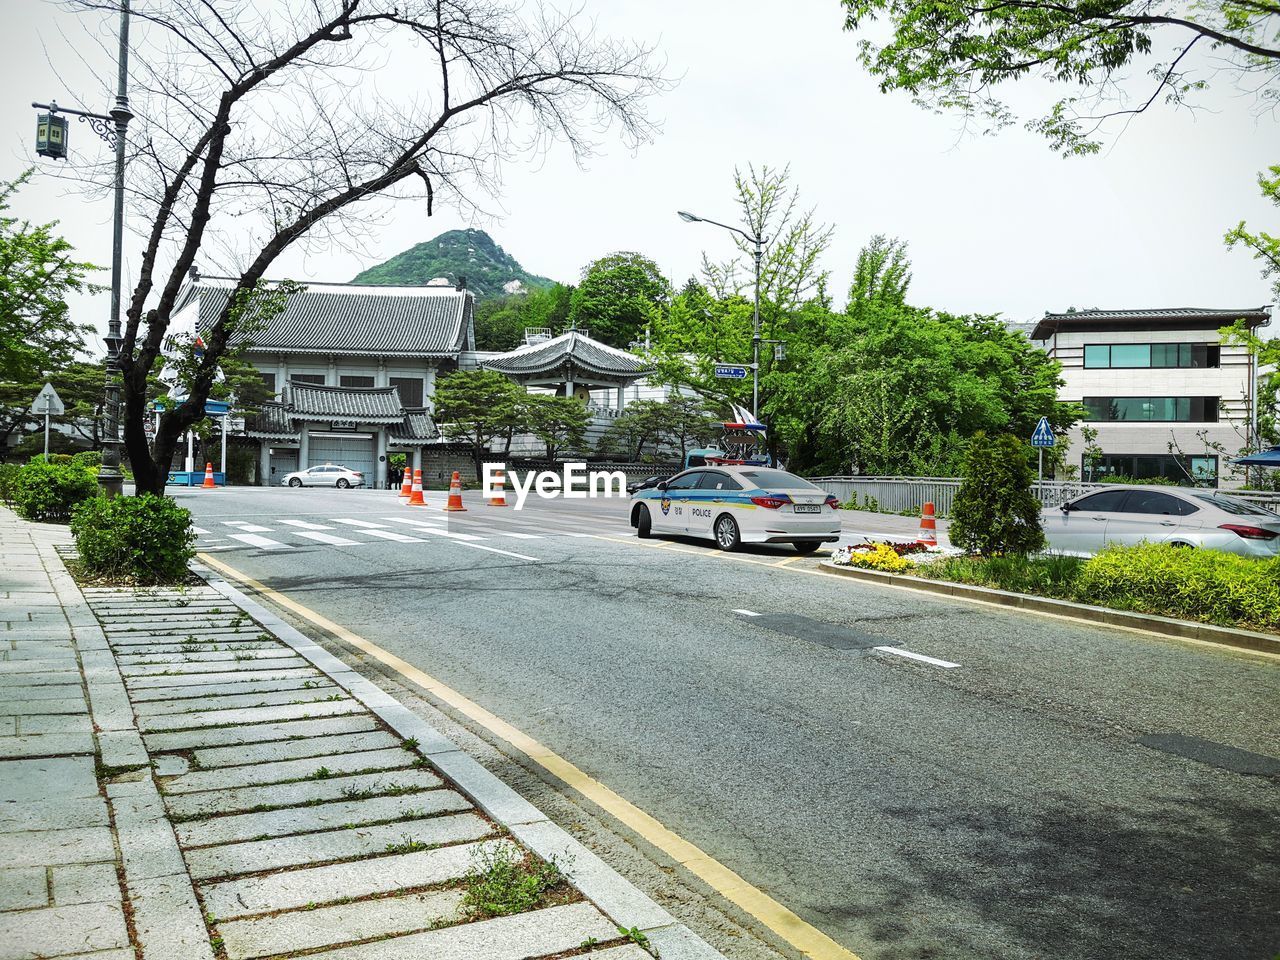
(662, 485)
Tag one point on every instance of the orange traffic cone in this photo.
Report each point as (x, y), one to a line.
(208, 477)
(415, 494)
(499, 498)
(406, 483)
(928, 535)
(455, 494)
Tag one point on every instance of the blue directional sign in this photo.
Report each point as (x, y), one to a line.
(727, 372)
(1043, 435)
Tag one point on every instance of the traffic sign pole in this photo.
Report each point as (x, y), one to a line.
(47, 404)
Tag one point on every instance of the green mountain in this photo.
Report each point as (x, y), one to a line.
(453, 254)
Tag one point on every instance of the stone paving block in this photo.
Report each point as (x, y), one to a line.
(8, 726)
(85, 883)
(628, 951)
(147, 845)
(46, 745)
(11, 681)
(293, 794)
(16, 668)
(156, 708)
(359, 878)
(265, 936)
(167, 919)
(297, 730)
(52, 651)
(122, 748)
(678, 942)
(121, 641)
(54, 723)
(240, 827)
(196, 679)
(38, 848)
(70, 690)
(24, 887)
(517, 937)
(55, 931)
(21, 705)
(490, 794)
(209, 863)
(47, 778)
(206, 656)
(247, 715)
(190, 691)
(192, 668)
(170, 766)
(62, 812)
(247, 776)
(298, 749)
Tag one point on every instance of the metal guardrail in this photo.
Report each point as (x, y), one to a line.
(909, 494)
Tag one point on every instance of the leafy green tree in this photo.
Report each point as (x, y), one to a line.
(954, 55)
(617, 297)
(559, 422)
(995, 511)
(500, 324)
(478, 407)
(37, 272)
(678, 421)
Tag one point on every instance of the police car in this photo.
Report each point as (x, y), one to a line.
(736, 504)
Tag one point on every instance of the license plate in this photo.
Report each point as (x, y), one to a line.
(808, 508)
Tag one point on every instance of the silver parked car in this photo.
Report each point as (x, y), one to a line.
(325, 476)
(1185, 517)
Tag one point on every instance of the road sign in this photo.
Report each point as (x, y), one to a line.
(731, 372)
(1043, 435)
(48, 401)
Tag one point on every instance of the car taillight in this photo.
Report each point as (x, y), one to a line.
(771, 502)
(1249, 533)
(832, 502)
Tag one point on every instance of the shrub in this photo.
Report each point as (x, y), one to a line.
(8, 479)
(146, 539)
(1051, 575)
(1172, 581)
(49, 491)
(995, 511)
(91, 459)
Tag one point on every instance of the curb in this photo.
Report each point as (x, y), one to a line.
(615, 896)
(1068, 610)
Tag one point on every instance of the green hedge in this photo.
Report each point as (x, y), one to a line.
(8, 481)
(144, 539)
(1208, 585)
(49, 491)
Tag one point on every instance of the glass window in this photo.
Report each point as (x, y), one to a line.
(686, 481)
(410, 390)
(317, 378)
(1241, 508)
(1152, 409)
(1108, 501)
(268, 381)
(1097, 355)
(355, 381)
(715, 480)
(776, 480)
(1131, 355)
(1150, 501)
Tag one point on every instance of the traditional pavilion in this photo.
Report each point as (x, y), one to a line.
(572, 364)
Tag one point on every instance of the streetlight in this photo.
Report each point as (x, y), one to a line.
(51, 141)
(755, 320)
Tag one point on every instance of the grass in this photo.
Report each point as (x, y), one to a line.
(503, 881)
(1048, 575)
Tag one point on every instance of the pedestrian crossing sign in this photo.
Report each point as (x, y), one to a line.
(1043, 434)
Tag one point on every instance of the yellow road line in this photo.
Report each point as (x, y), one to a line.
(805, 937)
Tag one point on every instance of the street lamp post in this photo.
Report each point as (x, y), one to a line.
(758, 243)
(111, 128)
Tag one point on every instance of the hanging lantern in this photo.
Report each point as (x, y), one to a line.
(51, 136)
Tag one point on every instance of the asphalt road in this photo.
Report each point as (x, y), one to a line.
(1022, 804)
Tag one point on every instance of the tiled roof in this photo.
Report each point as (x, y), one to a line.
(1192, 317)
(310, 401)
(417, 427)
(381, 321)
(271, 423)
(585, 354)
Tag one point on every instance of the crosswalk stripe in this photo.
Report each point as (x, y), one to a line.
(356, 523)
(200, 531)
(392, 535)
(246, 527)
(253, 540)
(508, 553)
(422, 527)
(327, 538)
(305, 525)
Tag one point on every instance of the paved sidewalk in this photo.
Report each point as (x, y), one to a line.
(266, 799)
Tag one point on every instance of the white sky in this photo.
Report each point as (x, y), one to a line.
(995, 224)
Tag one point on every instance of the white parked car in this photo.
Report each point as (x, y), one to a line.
(325, 476)
(733, 505)
(1183, 516)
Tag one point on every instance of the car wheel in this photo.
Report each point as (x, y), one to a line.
(343, 483)
(727, 536)
(644, 523)
(295, 482)
(1183, 544)
(807, 546)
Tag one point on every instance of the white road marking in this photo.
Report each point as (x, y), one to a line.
(521, 536)
(246, 527)
(305, 525)
(356, 523)
(747, 613)
(507, 553)
(392, 535)
(899, 652)
(327, 538)
(226, 546)
(200, 531)
(424, 528)
(254, 540)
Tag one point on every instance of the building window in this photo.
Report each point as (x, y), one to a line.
(316, 378)
(1151, 409)
(1137, 356)
(410, 389)
(1143, 466)
(355, 381)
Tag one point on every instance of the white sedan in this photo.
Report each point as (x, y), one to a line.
(1182, 516)
(733, 505)
(325, 476)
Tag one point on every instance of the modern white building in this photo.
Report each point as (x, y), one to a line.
(1160, 387)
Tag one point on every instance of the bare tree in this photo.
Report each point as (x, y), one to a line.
(261, 124)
